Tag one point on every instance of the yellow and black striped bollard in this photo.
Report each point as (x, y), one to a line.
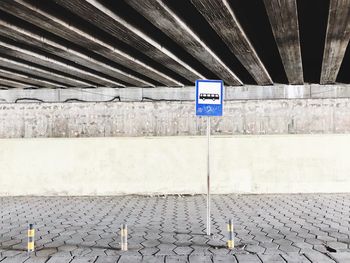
(230, 241)
(31, 236)
(124, 237)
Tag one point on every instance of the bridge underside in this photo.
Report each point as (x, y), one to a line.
(130, 43)
(88, 71)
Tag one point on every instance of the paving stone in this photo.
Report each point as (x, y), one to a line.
(129, 259)
(79, 252)
(183, 250)
(200, 239)
(247, 258)
(293, 257)
(67, 248)
(63, 254)
(10, 243)
(60, 259)
(224, 259)
(153, 259)
(320, 248)
(337, 245)
(149, 251)
(201, 250)
(217, 251)
(216, 243)
(270, 251)
(106, 259)
(45, 252)
(269, 245)
(263, 238)
(150, 243)
(283, 242)
(338, 235)
(286, 248)
(341, 257)
(275, 258)
(318, 257)
(326, 238)
(176, 259)
(200, 259)
(88, 226)
(255, 249)
(165, 252)
(314, 241)
(36, 260)
(303, 245)
(15, 259)
(84, 260)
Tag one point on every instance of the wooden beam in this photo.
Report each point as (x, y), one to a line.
(53, 46)
(28, 79)
(283, 16)
(39, 71)
(220, 16)
(47, 61)
(123, 30)
(84, 38)
(337, 39)
(13, 83)
(160, 15)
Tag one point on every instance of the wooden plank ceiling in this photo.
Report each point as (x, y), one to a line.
(149, 43)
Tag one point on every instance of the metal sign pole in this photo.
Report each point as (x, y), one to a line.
(209, 102)
(208, 176)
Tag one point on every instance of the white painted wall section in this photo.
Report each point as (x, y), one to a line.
(169, 165)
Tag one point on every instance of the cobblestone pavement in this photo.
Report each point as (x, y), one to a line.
(268, 228)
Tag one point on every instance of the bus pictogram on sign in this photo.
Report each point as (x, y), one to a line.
(208, 96)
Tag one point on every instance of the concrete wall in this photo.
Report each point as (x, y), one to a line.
(240, 164)
(110, 119)
(102, 94)
(261, 146)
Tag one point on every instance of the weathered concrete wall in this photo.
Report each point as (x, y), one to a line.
(110, 119)
(246, 92)
(240, 164)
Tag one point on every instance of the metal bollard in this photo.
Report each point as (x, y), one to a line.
(31, 236)
(124, 237)
(230, 241)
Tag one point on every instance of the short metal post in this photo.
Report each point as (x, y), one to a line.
(31, 237)
(230, 241)
(124, 237)
(208, 176)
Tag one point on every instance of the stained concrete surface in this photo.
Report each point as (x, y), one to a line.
(110, 119)
(134, 94)
(268, 228)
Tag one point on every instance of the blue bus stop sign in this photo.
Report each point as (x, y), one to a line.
(209, 97)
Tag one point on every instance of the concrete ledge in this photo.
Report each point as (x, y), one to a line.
(169, 165)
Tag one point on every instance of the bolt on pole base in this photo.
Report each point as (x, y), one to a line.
(124, 237)
(31, 236)
(230, 241)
